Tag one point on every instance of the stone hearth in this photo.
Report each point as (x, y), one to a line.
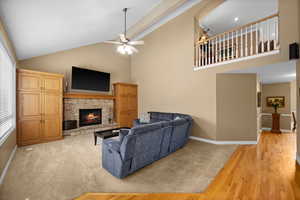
(71, 112)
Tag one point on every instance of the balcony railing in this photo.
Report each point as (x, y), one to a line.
(251, 40)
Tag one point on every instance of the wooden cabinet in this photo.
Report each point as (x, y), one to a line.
(39, 106)
(126, 106)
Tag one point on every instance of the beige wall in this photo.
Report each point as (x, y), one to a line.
(101, 57)
(293, 96)
(236, 107)
(7, 147)
(297, 93)
(276, 89)
(298, 108)
(164, 68)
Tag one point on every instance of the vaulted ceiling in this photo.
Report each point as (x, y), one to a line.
(42, 27)
(223, 17)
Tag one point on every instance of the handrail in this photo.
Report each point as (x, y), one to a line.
(259, 37)
(243, 26)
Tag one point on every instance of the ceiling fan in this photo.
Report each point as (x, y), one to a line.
(126, 46)
(204, 37)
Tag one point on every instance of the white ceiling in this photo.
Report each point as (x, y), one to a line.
(221, 19)
(275, 73)
(41, 27)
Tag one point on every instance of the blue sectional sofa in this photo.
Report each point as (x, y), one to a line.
(145, 143)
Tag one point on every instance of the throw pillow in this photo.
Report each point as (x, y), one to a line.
(145, 118)
(177, 118)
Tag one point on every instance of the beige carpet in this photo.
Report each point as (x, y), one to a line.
(68, 168)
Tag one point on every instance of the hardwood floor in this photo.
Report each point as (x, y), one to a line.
(267, 171)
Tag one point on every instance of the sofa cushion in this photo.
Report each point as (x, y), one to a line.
(161, 116)
(145, 128)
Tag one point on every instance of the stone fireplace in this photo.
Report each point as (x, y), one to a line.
(89, 117)
(91, 114)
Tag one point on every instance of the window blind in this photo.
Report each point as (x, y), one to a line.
(7, 92)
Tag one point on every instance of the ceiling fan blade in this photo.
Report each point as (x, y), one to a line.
(134, 49)
(136, 42)
(112, 42)
(123, 38)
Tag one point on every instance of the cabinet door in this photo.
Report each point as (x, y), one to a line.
(29, 104)
(52, 128)
(52, 84)
(29, 131)
(52, 115)
(29, 82)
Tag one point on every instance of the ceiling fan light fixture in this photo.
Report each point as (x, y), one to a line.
(125, 49)
(121, 49)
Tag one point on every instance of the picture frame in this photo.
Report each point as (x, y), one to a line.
(271, 99)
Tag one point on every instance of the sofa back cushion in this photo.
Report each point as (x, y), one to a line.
(180, 133)
(160, 116)
(147, 148)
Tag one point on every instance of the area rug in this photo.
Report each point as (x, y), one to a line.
(65, 169)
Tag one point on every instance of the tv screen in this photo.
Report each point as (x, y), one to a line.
(85, 79)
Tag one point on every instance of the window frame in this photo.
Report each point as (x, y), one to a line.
(6, 134)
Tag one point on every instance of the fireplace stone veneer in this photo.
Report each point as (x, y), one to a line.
(71, 112)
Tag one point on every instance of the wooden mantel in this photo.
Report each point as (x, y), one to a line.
(87, 96)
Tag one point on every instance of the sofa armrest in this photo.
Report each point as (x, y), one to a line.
(122, 134)
(112, 144)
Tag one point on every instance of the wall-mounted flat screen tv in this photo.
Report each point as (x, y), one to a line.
(85, 79)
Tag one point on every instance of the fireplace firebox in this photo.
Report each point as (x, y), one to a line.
(89, 117)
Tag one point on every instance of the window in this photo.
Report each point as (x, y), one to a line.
(7, 93)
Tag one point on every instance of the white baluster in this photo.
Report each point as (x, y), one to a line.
(276, 33)
(236, 44)
(209, 57)
(268, 34)
(219, 49)
(256, 38)
(246, 42)
(242, 47)
(251, 40)
(262, 38)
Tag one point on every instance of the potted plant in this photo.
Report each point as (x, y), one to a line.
(275, 105)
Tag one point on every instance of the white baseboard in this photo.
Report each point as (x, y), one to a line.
(298, 158)
(12, 154)
(282, 130)
(222, 142)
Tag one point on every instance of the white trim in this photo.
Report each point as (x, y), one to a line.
(12, 154)
(222, 142)
(282, 130)
(298, 158)
(237, 60)
(258, 136)
(283, 114)
(7, 133)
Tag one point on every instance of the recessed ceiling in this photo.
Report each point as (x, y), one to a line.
(275, 73)
(223, 17)
(42, 27)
